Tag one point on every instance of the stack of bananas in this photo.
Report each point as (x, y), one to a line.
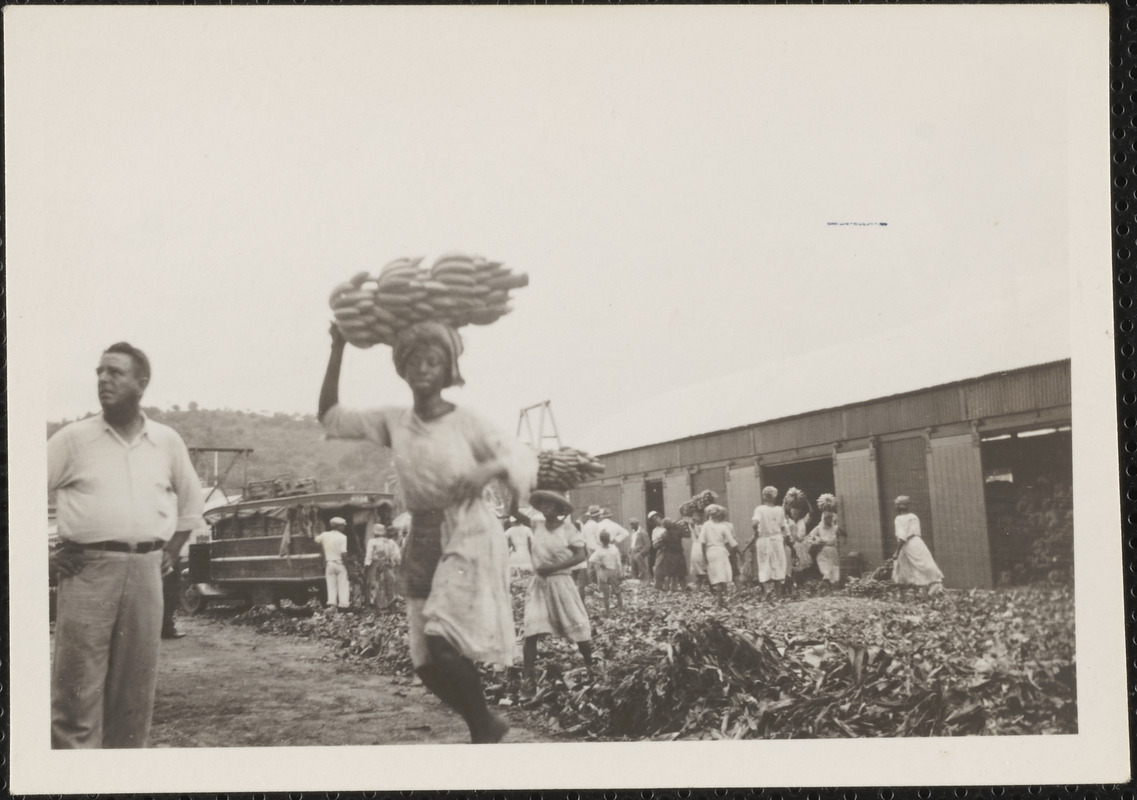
(795, 499)
(698, 503)
(457, 290)
(564, 469)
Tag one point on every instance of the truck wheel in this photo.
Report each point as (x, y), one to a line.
(192, 599)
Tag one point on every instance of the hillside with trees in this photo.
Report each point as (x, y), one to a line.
(281, 443)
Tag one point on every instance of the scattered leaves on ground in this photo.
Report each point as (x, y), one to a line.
(868, 660)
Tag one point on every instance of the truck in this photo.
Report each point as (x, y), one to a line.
(263, 551)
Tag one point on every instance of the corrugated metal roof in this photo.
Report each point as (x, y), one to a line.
(946, 349)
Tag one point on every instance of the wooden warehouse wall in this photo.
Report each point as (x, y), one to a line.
(858, 495)
(959, 509)
(903, 465)
(676, 492)
(632, 504)
(603, 495)
(899, 445)
(713, 478)
(743, 495)
(1044, 386)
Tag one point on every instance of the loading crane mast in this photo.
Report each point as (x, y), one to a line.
(546, 427)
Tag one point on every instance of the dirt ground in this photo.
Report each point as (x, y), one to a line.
(228, 686)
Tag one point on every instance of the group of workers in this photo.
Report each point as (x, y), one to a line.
(128, 499)
(382, 557)
(784, 549)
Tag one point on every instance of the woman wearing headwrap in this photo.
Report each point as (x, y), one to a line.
(796, 507)
(553, 605)
(770, 526)
(823, 540)
(913, 565)
(455, 564)
(716, 542)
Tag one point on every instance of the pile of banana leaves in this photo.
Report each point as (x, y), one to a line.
(671, 665)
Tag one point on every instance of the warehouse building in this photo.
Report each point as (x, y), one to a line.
(962, 450)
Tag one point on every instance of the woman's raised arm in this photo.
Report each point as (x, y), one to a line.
(330, 390)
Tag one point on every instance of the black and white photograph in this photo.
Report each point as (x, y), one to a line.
(668, 396)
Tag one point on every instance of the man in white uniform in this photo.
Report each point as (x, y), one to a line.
(128, 498)
(334, 543)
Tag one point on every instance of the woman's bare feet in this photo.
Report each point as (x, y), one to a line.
(493, 731)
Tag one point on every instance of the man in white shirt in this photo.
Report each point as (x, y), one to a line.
(334, 543)
(518, 536)
(128, 498)
(591, 529)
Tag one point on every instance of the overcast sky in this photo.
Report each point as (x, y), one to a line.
(196, 184)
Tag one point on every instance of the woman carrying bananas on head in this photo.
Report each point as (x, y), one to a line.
(455, 567)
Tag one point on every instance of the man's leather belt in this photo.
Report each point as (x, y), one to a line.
(120, 547)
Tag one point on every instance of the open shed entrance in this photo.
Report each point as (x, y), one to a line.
(1027, 487)
(814, 477)
(653, 497)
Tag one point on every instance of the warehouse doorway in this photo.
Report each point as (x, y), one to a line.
(653, 496)
(903, 465)
(1027, 479)
(814, 477)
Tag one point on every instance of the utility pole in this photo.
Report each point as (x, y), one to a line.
(546, 429)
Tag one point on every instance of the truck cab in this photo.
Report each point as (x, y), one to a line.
(264, 551)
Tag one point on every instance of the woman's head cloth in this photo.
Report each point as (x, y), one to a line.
(433, 333)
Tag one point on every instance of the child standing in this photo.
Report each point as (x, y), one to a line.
(606, 563)
(552, 602)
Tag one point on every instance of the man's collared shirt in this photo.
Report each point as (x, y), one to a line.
(617, 532)
(335, 545)
(591, 531)
(111, 489)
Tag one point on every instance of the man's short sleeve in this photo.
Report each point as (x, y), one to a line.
(58, 459)
(191, 498)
